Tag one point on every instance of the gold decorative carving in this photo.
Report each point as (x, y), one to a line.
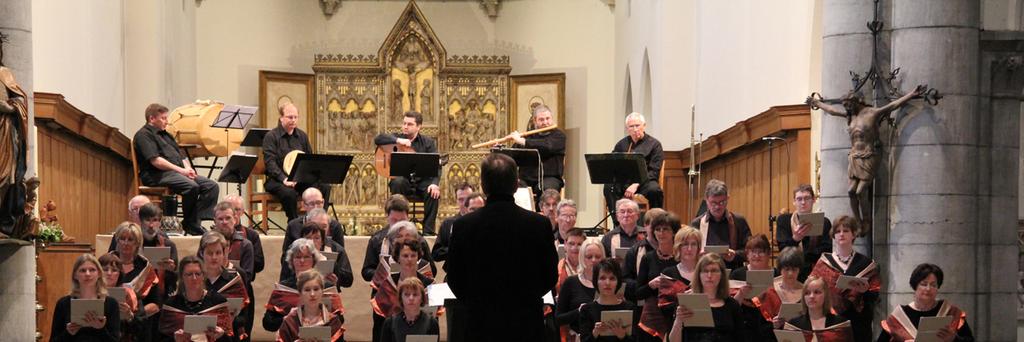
(464, 100)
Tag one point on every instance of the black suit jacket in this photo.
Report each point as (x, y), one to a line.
(501, 262)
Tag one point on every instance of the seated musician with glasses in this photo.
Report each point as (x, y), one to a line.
(277, 144)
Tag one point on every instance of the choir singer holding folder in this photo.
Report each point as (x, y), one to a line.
(86, 284)
(472, 275)
(795, 230)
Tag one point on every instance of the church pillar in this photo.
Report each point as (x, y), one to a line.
(952, 197)
(18, 293)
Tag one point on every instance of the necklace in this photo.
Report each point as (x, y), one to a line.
(846, 259)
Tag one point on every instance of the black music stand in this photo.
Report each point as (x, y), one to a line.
(616, 169)
(524, 157)
(234, 116)
(415, 165)
(238, 169)
(320, 168)
(254, 136)
(230, 117)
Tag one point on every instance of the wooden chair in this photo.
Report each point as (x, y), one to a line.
(154, 193)
(261, 203)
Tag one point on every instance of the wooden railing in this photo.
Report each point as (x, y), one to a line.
(83, 167)
(740, 158)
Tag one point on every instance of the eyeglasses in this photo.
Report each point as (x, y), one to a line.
(721, 203)
(314, 203)
(804, 199)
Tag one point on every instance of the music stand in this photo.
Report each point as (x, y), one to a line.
(415, 165)
(524, 157)
(616, 169)
(254, 137)
(238, 169)
(234, 116)
(320, 168)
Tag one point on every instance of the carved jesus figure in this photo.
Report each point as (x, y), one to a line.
(863, 123)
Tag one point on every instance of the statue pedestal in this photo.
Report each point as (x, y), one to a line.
(18, 289)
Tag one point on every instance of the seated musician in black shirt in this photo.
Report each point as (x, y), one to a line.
(425, 188)
(280, 141)
(550, 145)
(638, 142)
(161, 163)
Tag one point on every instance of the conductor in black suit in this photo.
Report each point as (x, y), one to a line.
(500, 303)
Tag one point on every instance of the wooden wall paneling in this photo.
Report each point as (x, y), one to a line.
(83, 168)
(740, 158)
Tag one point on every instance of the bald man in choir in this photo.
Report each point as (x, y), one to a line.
(638, 141)
(550, 145)
(161, 163)
(283, 139)
(426, 189)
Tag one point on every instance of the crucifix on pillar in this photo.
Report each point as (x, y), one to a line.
(864, 122)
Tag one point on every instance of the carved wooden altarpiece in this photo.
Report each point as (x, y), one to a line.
(464, 100)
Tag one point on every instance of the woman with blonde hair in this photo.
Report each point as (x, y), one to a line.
(86, 283)
(229, 283)
(817, 322)
(150, 283)
(312, 312)
(578, 290)
(712, 281)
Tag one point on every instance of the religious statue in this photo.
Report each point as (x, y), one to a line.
(17, 199)
(863, 122)
(396, 100)
(425, 94)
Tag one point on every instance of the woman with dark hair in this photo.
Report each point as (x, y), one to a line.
(817, 323)
(759, 253)
(86, 283)
(213, 249)
(312, 312)
(856, 302)
(377, 264)
(902, 323)
(649, 280)
(785, 288)
(409, 317)
(608, 280)
(130, 323)
(193, 299)
(341, 276)
(409, 256)
(569, 265)
(712, 281)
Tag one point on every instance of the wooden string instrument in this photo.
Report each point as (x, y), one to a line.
(504, 139)
(382, 158)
